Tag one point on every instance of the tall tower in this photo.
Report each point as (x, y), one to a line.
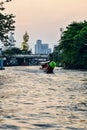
(38, 47)
(11, 40)
(61, 31)
(10, 43)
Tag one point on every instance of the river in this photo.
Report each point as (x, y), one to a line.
(30, 99)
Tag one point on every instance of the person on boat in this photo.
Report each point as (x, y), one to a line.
(50, 67)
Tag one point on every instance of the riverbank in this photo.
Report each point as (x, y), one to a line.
(30, 99)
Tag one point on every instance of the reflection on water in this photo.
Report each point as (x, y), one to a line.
(33, 100)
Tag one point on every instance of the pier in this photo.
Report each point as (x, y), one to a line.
(16, 60)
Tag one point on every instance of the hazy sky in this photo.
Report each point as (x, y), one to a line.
(42, 19)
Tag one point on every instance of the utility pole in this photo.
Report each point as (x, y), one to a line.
(61, 32)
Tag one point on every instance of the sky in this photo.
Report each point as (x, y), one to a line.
(42, 19)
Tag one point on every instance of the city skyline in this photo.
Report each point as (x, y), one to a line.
(42, 48)
(42, 19)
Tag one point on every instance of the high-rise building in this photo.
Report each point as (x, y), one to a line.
(42, 48)
(38, 46)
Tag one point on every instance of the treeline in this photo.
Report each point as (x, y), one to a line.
(71, 51)
(6, 23)
(14, 51)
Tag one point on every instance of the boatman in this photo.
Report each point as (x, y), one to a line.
(51, 67)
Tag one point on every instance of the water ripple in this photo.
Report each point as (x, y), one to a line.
(33, 100)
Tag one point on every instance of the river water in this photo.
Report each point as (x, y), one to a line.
(30, 99)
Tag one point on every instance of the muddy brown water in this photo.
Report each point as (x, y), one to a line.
(30, 99)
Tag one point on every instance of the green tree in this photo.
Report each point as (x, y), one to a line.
(6, 23)
(12, 51)
(72, 46)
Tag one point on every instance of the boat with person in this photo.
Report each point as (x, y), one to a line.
(48, 66)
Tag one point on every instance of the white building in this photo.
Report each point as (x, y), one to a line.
(41, 48)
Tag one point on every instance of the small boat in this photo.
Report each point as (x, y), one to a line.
(48, 66)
